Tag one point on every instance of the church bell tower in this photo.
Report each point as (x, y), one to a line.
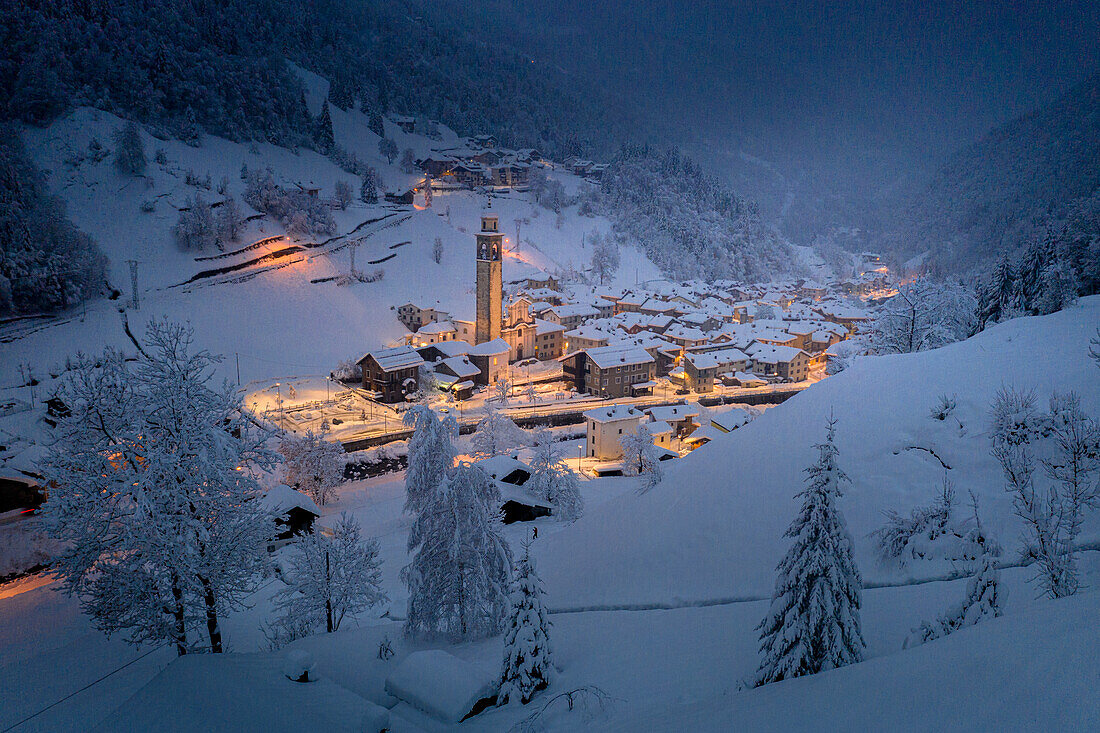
(490, 292)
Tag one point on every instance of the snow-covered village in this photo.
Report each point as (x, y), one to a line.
(506, 367)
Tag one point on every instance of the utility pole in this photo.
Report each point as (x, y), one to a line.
(237, 357)
(519, 224)
(133, 283)
(352, 248)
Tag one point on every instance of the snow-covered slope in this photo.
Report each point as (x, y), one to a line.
(1032, 671)
(713, 528)
(275, 317)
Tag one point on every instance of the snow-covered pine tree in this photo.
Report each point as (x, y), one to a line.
(154, 489)
(813, 623)
(496, 433)
(437, 251)
(431, 454)
(528, 664)
(326, 139)
(640, 457)
(458, 576)
(331, 578)
(314, 465)
(1000, 297)
(983, 597)
(375, 125)
(553, 480)
(129, 150)
(368, 191)
(1057, 288)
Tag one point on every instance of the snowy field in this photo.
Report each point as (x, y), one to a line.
(654, 597)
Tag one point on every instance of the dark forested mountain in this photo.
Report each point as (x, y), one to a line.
(999, 194)
(218, 65)
(45, 262)
(688, 222)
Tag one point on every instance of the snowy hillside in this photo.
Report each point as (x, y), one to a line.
(272, 312)
(723, 508)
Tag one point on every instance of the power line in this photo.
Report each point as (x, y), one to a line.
(82, 689)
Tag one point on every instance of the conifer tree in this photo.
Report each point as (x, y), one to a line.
(458, 576)
(326, 138)
(528, 664)
(368, 192)
(431, 454)
(1000, 296)
(813, 623)
(129, 150)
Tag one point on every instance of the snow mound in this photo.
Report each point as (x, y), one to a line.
(440, 684)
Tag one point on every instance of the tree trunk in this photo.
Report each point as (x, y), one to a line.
(212, 627)
(178, 624)
(462, 599)
(328, 598)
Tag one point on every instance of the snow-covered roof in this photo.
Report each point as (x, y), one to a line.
(441, 684)
(612, 413)
(771, 354)
(490, 348)
(703, 434)
(674, 412)
(658, 427)
(500, 466)
(704, 360)
(542, 327)
(606, 357)
(437, 327)
(575, 310)
(281, 499)
(461, 366)
(453, 348)
(398, 357)
(731, 419)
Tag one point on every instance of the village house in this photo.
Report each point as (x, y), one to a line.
(491, 359)
(730, 359)
(433, 333)
(585, 337)
(571, 315)
(617, 371)
(413, 316)
(392, 373)
(549, 340)
(700, 369)
(406, 123)
(605, 427)
(680, 417)
(785, 362)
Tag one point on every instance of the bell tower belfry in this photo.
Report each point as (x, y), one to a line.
(490, 291)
